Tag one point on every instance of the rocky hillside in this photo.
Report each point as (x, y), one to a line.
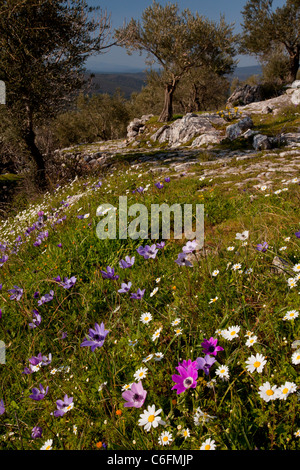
(265, 132)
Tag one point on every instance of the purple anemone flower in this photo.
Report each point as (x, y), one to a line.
(46, 298)
(167, 179)
(190, 246)
(138, 295)
(210, 346)
(136, 396)
(36, 319)
(183, 261)
(68, 283)
(160, 245)
(39, 394)
(3, 260)
(63, 406)
(204, 363)
(16, 292)
(186, 379)
(109, 274)
(159, 185)
(262, 247)
(297, 234)
(125, 288)
(36, 432)
(127, 263)
(147, 251)
(2, 407)
(96, 337)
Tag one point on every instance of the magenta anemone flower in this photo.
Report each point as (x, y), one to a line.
(210, 346)
(96, 337)
(136, 396)
(186, 379)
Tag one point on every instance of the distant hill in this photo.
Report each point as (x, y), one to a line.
(133, 82)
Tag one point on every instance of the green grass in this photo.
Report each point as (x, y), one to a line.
(252, 298)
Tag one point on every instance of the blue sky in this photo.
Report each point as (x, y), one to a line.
(123, 10)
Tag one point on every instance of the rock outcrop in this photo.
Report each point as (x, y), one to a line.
(245, 94)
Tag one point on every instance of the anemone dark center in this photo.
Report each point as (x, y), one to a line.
(188, 382)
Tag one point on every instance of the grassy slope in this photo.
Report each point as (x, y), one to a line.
(254, 301)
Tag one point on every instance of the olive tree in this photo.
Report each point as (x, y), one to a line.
(178, 42)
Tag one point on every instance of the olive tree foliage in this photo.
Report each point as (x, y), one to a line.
(43, 47)
(178, 42)
(264, 30)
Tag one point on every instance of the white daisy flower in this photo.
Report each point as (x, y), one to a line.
(150, 418)
(126, 387)
(47, 445)
(211, 383)
(202, 417)
(268, 392)
(292, 282)
(209, 444)
(296, 268)
(291, 314)
(285, 390)
(215, 272)
(255, 363)
(156, 334)
(223, 372)
(148, 358)
(252, 340)
(186, 433)
(158, 356)
(296, 357)
(236, 266)
(230, 248)
(231, 332)
(213, 300)
(154, 291)
(176, 322)
(165, 438)
(282, 248)
(140, 373)
(178, 331)
(146, 317)
(297, 433)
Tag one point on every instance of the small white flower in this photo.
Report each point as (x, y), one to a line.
(215, 272)
(148, 358)
(209, 444)
(165, 438)
(223, 372)
(285, 390)
(268, 392)
(140, 373)
(178, 331)
(231, 332)
(283, 248)
(292, 282)
(296, 357)
(296, 268)
(255, 363)
(291, 314)
(186, 433)
(158, 356)
(236, 266)
(154, 291)
(126, 387)
(252, 340)
(156, 334)
(176, 322)
(230, 248)
(146, 317)
(213, 300)
(47, 445)
(150, 418)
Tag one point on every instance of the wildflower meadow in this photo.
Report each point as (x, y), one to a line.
(142, 344)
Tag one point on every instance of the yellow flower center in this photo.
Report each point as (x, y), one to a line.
(256, 364)
(269, 393)
(232, 333)
(151, 418)
(165, 438)
(207, 447)
(222, 371)
(48, 447)
(141, 374)
(285, 390)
